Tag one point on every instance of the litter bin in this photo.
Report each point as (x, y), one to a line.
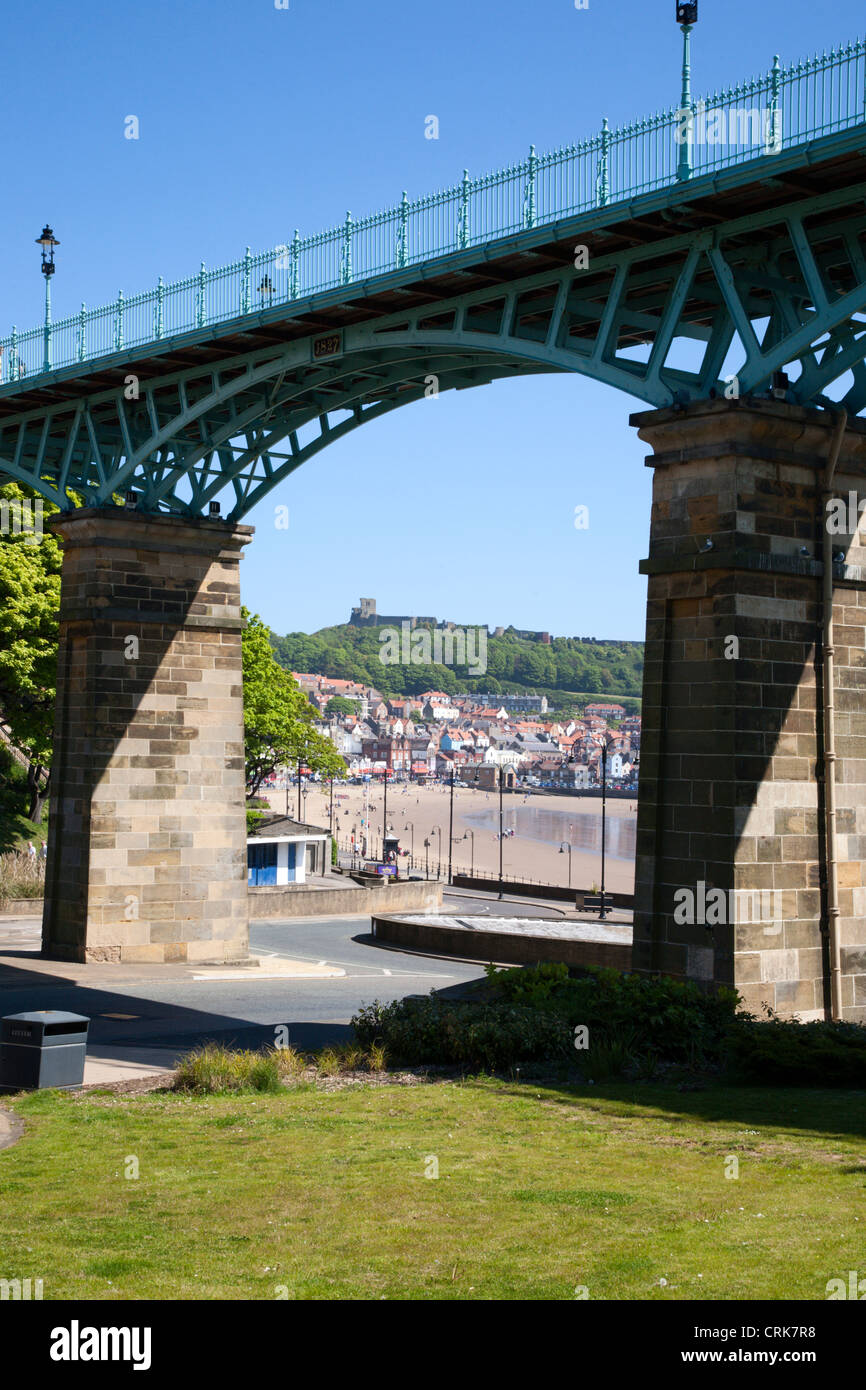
(42, 1049)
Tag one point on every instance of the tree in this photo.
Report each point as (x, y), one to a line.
(339, 704)
(278, 717)
(29, 602)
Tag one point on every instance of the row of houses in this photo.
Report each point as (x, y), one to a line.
(433, 734)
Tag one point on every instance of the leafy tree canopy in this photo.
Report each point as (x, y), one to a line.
(340, 704)
(278, 717)
(514, 664)
(30, 561)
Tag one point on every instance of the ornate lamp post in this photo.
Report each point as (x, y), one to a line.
(472, 860)
(438, 830)
(605, 747)
(451, 824)
(501, 832)
(47, 241)
(562, 849)
(687, 18)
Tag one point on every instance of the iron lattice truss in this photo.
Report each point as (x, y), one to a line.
(671, 321)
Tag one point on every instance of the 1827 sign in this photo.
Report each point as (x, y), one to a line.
(328, 346)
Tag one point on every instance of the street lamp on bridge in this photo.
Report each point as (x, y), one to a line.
(687, 18)
(47, 241)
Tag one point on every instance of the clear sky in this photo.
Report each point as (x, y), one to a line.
(256, 120)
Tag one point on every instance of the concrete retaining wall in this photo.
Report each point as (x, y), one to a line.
(503, 948)
(22, 907)
(323, 902)
(552, 891)
(309, 902)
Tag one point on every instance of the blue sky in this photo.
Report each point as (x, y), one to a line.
(254, 121)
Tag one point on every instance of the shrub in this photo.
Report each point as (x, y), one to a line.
(674, 1021)
(529, 986)
(432, 1030)
(776, 1052)
(377, 1057)
(21, 876)
(290, 1064)
(211, 1069)
(328, 1062)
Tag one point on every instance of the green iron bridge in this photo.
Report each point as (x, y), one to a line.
(698, 252)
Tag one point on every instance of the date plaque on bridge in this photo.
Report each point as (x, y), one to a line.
(329, 346)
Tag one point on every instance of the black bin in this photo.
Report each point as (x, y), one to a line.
(45, 1048)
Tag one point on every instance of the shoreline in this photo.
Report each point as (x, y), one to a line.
(426, 808)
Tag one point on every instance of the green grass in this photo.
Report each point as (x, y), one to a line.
(541, 1188)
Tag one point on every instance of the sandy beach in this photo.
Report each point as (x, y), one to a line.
(541, 824)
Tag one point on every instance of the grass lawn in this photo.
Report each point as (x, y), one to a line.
(541, 1188)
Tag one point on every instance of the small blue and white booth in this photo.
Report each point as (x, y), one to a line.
(281, 851)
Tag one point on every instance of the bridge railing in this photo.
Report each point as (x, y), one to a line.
(758, 118)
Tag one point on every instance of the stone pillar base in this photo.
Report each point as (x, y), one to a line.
(147, 843)
(731, 796)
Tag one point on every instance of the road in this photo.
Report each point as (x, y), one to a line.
(166, 1010)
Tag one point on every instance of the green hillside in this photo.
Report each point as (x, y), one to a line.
(568, 670)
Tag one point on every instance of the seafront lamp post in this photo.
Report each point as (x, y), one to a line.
(562, 848)
(426, 857)
(472, 858)
(687, 18)
(451, 825)
(410, 826)
(438, 830)
(605, 747)
(501, 832)
(47, 241)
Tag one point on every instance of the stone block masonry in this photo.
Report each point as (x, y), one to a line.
(731, 789)
(147, 841)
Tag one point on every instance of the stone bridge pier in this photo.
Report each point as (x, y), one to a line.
(732, 755)
(147, 845)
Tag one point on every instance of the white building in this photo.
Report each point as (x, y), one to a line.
(281, 851)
